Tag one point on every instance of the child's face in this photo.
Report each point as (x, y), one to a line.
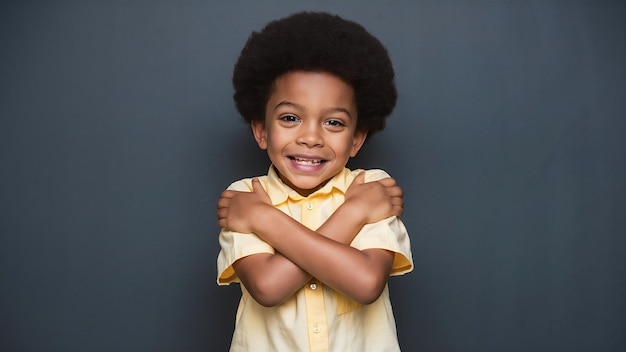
(310, 128)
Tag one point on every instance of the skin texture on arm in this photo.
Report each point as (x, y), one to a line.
(302, 253)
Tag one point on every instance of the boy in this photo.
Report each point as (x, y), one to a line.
(313, 243)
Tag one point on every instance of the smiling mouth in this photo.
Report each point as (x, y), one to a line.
(306, 162)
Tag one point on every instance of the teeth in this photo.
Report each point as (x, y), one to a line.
(308, 162)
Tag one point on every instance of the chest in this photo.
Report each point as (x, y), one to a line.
(312, 211)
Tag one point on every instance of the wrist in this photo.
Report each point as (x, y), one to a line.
(262, 218)
(353, 212)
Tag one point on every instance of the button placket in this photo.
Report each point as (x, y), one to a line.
(317, 326)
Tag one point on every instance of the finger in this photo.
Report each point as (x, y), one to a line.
(360, 178)
(228, 194)
(256, 185)
(397, 202)
(388, 181)
(394, 191)
(223, 203)
(398, 210)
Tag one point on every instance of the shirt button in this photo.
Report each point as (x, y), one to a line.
(309, 206)
(313, 286)
(316, 329)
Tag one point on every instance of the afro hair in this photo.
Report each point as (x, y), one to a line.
(316, 42)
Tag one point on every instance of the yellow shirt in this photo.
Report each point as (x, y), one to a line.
(316, 318)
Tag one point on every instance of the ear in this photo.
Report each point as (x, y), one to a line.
(357, 142)
(260, 133)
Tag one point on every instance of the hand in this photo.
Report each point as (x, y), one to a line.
(374, 201)
(235, 208)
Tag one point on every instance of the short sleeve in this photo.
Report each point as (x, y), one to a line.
(389, 234)
(236, 245)
(374, 175)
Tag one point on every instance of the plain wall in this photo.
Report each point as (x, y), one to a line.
(118, 133)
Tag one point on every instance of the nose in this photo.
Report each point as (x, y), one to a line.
(310, 136)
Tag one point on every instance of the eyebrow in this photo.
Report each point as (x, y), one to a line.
(301, 108)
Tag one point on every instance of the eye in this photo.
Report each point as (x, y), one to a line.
(334, 123)
(289, 118)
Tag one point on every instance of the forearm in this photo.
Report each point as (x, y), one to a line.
(342, 226)
(270, 278)
(357, 274)
(276, 277)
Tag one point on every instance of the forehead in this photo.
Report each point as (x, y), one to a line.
(312, 86)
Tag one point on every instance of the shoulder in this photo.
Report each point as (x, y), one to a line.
(371, 174)
(245, 184)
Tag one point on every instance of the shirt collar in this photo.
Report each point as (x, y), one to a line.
(278, 191)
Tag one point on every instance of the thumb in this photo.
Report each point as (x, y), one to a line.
(256, 185)
(360, 178)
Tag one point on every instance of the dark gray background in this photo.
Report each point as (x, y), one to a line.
(118, 133)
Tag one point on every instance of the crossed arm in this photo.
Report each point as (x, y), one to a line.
(301, 253)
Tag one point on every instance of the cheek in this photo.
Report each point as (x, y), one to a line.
(346, 149)
(274, 142)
